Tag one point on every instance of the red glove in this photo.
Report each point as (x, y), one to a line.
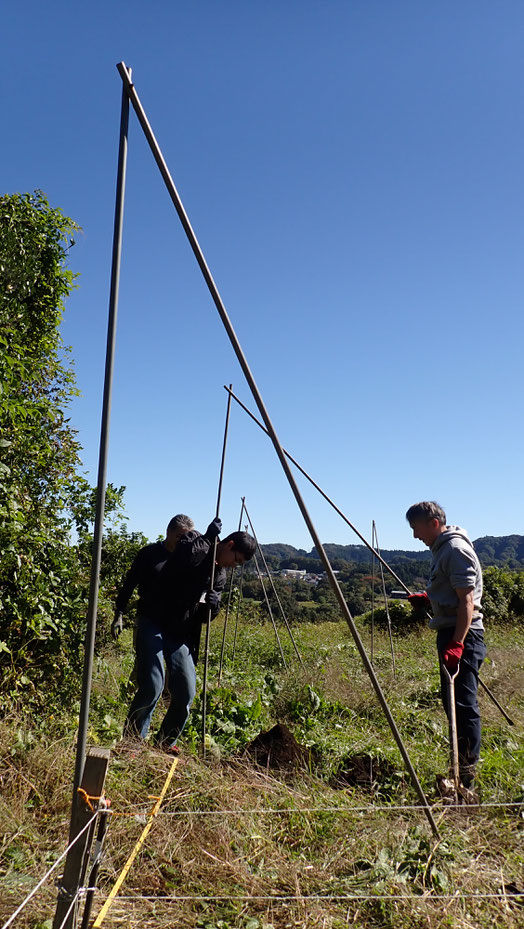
(452, 655)
(419, 601)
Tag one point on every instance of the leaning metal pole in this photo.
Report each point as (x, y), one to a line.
(211, 584)
(372, 650)
(386, 605)
(240, 595)
(273, 588)
(197, 251)
(268, 607)
(228, 607)
(376, 553)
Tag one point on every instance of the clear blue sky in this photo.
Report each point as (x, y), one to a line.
(353, 171)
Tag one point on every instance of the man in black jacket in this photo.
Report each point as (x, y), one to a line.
(174, 599)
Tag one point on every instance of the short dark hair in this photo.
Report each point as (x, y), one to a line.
(243, 543)
(427, 509)
(180, 522)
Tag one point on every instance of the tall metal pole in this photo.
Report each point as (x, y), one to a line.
(233, 572)
(386, 605)
(212, 580)
(240, 595)
(372, 593)
(197, 251)
(104, 439)
(270, 611)
(273, 588)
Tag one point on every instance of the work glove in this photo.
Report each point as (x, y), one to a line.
(452, 655)
(213, 600)
(214, 529)
(420, 601)
(117, 625)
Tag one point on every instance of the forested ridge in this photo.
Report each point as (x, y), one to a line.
(505, 551)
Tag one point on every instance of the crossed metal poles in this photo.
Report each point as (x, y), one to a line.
(217, 299)
(362, 538)
(374, 543)
(243, 509)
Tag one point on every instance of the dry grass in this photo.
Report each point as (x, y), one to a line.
(231, 832)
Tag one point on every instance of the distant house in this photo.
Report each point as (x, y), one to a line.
(291, 572)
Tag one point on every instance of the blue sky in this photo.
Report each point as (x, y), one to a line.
(353, 171)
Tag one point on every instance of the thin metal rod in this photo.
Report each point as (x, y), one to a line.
(212, 581)
(277, 598)
(237, 613)
(372, 655)
(268, 605)
(89, 644)
(240, 597)
(359, 534)
(232, 578)
(197, 251)
(386, 604)
(496, 702)
(103, 824)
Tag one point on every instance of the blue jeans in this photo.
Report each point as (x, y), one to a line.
(154, 646)
(466, 704)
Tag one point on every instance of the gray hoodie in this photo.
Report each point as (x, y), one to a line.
(454, 564)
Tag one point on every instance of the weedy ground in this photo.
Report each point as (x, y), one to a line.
(333, 843)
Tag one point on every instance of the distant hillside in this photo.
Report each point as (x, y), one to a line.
(502, 551)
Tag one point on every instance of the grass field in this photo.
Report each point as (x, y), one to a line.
(331, 841)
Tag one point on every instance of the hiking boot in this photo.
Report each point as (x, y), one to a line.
(467, 776)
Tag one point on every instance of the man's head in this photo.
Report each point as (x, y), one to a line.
(428, 520)
(236, 548)
(176, 528)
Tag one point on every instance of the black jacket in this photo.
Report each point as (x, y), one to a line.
(170, 585)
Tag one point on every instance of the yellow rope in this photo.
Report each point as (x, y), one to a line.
(123, 874)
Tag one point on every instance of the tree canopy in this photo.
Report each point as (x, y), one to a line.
(40, 479)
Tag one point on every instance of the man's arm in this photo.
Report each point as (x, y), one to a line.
(455, 647)
(129, 583)
(464, 612)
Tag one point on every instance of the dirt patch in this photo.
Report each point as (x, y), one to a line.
(362, 771)
(278, 748)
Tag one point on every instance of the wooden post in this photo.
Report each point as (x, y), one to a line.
(93, 778)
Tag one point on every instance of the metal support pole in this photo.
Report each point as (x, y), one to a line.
(197, 251)
(103, 824)
(233, 572)
(240, 595)
(277, 598)
(272, 618)
(372, 649)
(492, 697)
(92, 786)
(386, 605)
(104, 437)
(212, 581)
(359, 534)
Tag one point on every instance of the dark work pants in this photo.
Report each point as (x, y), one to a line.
(466, 704)
(154, 645)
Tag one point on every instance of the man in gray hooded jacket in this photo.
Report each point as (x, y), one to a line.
(454, 597)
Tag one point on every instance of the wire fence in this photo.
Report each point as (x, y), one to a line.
(140, 812)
